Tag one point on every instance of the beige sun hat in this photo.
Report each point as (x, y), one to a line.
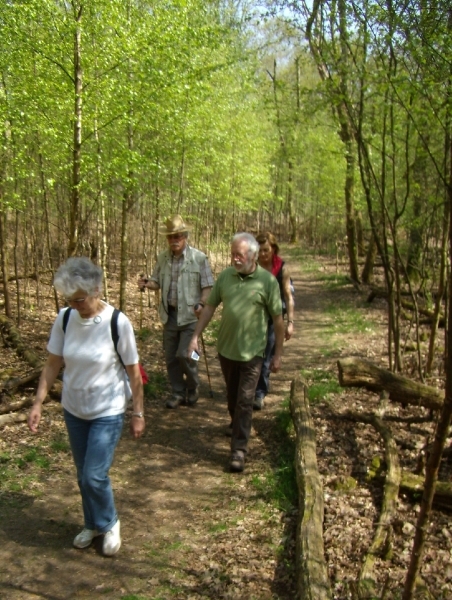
(174, 224)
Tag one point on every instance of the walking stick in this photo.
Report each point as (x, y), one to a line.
(207, 366)
(141, 306)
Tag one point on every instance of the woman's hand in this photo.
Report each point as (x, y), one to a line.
(49, 373)
(137, 426)
(34, 417)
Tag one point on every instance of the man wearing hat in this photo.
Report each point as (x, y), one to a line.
(183, 275)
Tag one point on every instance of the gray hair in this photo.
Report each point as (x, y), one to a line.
(78, 273)
(253, 245)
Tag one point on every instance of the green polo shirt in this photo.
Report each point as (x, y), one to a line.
(248, 302)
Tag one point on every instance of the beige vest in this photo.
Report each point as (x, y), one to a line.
(188, 285)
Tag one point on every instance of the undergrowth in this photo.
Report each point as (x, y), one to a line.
(279, 485)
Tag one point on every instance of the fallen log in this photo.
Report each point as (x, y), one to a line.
(12, 337)
(312, 574)
(356, 372)
(20, 417)
(414, 484)
(12, 384)
(54, 394)
(367, 582)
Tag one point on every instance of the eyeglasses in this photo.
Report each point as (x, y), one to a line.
(75, 300)
(239, 255)
(175, 236)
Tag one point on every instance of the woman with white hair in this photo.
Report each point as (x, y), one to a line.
(98, 377)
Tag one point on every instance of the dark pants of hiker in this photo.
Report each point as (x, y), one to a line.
(263, 385)
(182, 372)
(241, 379)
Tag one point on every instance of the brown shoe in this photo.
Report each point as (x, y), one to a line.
(237, 463)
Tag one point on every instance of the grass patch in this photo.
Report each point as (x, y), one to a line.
(348, 319)
(4, 457)
(60, 444)
(321, 384)
(19, 471)
(156, 385)
(309, 264)
(33, 455)
(216, 527)
(279, 486)
(334, 281)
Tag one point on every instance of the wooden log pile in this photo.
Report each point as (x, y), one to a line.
(312, 575)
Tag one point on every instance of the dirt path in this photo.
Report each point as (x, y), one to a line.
(190, 528)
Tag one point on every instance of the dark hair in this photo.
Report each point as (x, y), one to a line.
(270, 238)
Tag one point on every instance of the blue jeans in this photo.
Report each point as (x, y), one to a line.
(263, 385)
(93, 445)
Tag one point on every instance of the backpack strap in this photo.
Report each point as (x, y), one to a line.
(113, 328)
(115, 334)
(67, 314)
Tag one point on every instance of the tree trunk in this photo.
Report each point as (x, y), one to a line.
(4, 265)
(371, 254)
(77, 149)
(442, 428)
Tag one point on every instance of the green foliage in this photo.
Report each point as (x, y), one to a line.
(211, 332)
(279, 486)
(347, 319)
(334, 281)
(321, 384)
(33, 455)
(18, 472)
(60, 444)
(156, 385)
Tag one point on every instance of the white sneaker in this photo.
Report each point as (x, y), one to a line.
(85, 537)
(112, 540)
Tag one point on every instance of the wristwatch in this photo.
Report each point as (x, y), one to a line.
(140, 415)
(198, 304)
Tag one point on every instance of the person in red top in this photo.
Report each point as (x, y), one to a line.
(269, 259)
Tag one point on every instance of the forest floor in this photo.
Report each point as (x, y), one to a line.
(190, 529)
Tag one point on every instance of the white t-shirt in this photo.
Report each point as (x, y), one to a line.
(94, 381)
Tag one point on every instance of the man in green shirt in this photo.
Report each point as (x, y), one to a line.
(250, 295)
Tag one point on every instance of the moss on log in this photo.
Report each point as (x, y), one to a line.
(312, 574)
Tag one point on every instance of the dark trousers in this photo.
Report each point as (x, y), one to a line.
(263, 385)
(182, 371)
(241, 379)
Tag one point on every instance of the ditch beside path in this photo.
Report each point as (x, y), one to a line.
(190, 529)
